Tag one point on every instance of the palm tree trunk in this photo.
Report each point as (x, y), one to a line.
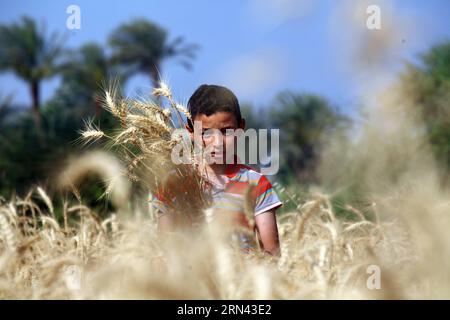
(36, 104)
(154, 76)
(98, 105)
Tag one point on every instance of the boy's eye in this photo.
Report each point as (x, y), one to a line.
(207, 134)
(210, 133)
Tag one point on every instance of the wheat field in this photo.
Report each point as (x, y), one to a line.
(401, 231)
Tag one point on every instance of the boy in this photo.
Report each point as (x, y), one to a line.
(217, 109)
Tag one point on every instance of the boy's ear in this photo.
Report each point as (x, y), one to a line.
(191, 131)
(242, 124)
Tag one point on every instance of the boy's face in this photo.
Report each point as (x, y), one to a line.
(214, 144)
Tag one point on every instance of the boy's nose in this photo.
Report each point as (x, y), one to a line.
(217, 144)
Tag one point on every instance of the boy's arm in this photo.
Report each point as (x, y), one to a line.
(266, 223)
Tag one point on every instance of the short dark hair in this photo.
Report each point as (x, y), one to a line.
(209, 99)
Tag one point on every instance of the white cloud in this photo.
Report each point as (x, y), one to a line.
(252, 74)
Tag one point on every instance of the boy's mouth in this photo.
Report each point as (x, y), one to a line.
(217, 155)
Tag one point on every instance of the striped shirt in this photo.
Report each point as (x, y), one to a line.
(230, 197)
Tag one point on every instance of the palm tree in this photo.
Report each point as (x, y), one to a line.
(26, 50)
(303, 119)
(142, 46)
(5, 109)
(83, 72)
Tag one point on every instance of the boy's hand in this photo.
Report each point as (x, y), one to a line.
(166, 223)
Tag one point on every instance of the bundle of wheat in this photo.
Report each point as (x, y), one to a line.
(145, 141)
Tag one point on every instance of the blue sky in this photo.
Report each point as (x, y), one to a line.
(256, 47)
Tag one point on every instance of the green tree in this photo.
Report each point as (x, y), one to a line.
(141, 46)
(5, 109)
(26, 50)
(428, 84)
(84, 72)
(304, 121)
(254, 119)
